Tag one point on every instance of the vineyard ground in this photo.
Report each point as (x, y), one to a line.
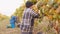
(4, 30)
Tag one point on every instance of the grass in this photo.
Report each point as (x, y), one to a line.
(4, 30)
(39, 28)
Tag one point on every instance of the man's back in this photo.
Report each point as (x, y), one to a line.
(27, 16)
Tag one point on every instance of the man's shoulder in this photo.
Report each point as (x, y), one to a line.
(28, 10)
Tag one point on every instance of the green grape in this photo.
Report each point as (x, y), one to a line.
(59, 16)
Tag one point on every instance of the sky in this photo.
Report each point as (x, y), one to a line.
(7, 7)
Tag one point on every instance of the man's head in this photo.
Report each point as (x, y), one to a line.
(29, 4)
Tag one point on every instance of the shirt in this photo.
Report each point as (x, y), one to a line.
(27, 21)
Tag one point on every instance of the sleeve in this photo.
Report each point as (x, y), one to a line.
(35, 15)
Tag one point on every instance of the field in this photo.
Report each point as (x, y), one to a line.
(4, 30)
(41, 27)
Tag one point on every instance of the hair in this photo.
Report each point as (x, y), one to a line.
(29, 4)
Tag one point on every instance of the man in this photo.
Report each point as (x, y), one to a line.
(12, 21)
(28, 19)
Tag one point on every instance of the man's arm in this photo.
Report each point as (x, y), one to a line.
(35, 15)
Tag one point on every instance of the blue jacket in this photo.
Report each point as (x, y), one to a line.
(13, 19)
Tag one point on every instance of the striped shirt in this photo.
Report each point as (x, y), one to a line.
(28, 15)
